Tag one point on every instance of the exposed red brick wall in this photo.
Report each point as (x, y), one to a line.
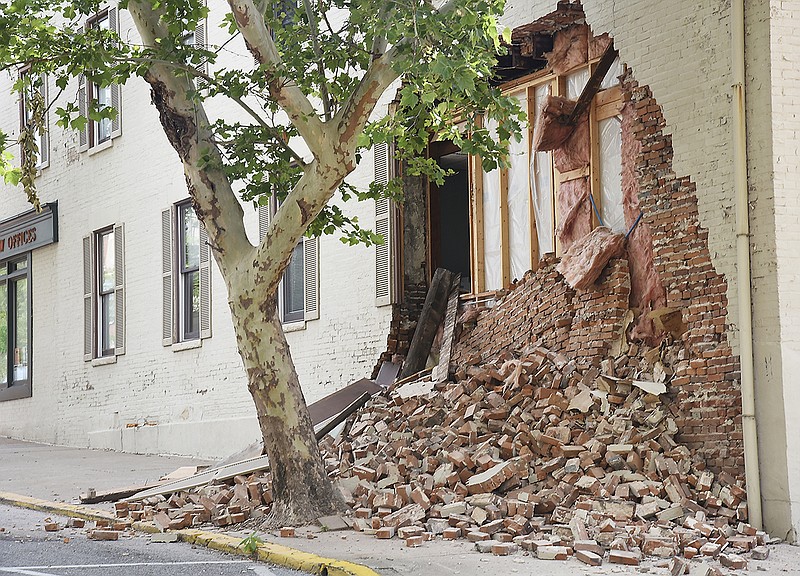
(544, 309)
(706, 383)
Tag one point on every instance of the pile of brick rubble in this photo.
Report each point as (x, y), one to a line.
(526, 451)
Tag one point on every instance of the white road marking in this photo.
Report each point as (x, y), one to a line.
(27, 572)
(20, 569)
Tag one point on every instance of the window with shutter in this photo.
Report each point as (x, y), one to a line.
(185, 277)
(298, 292)
(104, 294)
(88, 299)
(167, 283)
(311, 277)
(92, 95)
(205, 285)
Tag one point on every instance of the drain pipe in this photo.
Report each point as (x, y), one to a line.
(752, 472)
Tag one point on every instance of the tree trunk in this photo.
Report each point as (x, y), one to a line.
(301, 489)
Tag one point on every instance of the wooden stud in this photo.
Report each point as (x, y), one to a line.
(531, 111)
(505, 248)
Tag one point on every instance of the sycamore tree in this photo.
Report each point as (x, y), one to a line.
(302, 108)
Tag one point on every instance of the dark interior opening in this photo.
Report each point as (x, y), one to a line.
(449, 214)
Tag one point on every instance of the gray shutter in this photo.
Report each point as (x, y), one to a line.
(119, 289)
(167, 290)
(200, 42)
(44, 152)
(311, 278)
(205, 284)
(116, 89)
(383, 264)
(83, 107)
(88, 299)
(264, 218)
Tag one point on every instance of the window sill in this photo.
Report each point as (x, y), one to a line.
(295, 326)
(100, 147)
(104, 360)
(186, 345)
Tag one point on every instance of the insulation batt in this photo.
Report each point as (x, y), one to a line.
(570, 49)
(583, 263)
(550, 132)
(576, 211)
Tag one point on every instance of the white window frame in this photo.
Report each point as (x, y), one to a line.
(173, 324)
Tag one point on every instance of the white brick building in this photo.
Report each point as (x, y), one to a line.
(190, 396)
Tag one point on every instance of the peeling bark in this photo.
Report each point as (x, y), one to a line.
(300, 487)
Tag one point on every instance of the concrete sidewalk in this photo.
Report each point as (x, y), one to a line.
(56, 473)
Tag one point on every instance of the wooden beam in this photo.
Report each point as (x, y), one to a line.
(431, 316)
(505, 248)
(531, 111)
(593, 85)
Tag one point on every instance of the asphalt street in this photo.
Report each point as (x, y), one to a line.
(26, 548)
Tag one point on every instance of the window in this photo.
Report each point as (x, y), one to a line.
(522, 212)
(104, 294)
(106, 297)
(186, 276)
(197, 39)
(33, 114)
(298, 292)
(15, 329)
(92, 95)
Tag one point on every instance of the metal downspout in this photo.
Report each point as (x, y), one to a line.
(752, 471)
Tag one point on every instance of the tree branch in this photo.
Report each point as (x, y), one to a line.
(285, 93)
(188, 130)
(314, 33)
(356, 110)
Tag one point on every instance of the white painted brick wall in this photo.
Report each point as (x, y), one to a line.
(784, 49)
(198, 398)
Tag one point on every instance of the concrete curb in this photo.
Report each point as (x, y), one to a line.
(267, 552)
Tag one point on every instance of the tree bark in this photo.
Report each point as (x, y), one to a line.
(300, 487)
(302, 492)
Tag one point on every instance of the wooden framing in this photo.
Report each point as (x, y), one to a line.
(505, 246)
(606, 103)
(530, 95)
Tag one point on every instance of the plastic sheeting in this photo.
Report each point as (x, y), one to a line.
(610, 148)
(492, 229)
(611, 78)
(519, 212)
(542, 183)
(576, 82)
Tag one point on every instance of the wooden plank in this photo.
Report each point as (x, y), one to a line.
(333, 404)
(531, 111)
(594, 162)
(505, 248)
(441, 370)
(480, 272)
(559, 89)
(593, 85)
(431, 316)
(582, 172)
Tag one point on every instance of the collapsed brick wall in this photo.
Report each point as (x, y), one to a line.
(544, 309)
(704, 391)
(404, 322)
(706, 382)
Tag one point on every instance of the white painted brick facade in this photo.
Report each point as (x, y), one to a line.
(197, 398)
